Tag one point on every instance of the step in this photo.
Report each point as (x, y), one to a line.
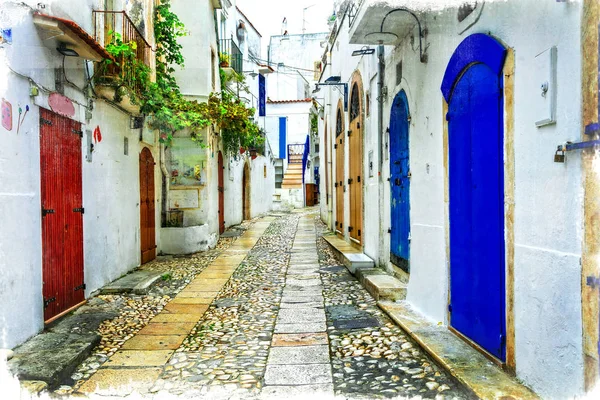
(138, 282)
(471, 368)
(352, 258)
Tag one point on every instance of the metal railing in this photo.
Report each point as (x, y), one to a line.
(227, 47)
(109, 23)
(295, 153)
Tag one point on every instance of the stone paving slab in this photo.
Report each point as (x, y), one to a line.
(299, 355)
(165, 317)
(139, 358)
(299, 339)
(303, 282)
(167, 328)
(196, 293)
(301, 315)
(298, 374)
(303, 299)
(311, 304)
(154, 342)
(306, 327)
(120, 382)
(196, 309)
(192, 300)
(322, 391)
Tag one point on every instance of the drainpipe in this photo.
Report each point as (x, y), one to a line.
(380, 91)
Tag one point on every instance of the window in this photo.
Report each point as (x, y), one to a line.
(398, 73)
(355, 103)
(338, 124)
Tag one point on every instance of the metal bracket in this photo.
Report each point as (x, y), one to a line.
(81, 210)
(78, 133)
(82, 286)
(46, 211)
(48, 301)
(45, 121)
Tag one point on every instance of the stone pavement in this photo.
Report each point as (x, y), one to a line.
(275, 315)
(299, 358)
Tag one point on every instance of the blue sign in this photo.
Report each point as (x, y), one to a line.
(262, 96)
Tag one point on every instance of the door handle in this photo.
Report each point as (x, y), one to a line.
(397, 181)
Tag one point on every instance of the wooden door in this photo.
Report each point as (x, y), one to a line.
(399, 183)
(62, 213)
(246, 192)
(326, 169)
(147, 207)
(476, 178)
(355, 164)
(339, 172)
(221, 190)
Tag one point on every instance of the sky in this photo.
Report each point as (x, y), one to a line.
(267, 15)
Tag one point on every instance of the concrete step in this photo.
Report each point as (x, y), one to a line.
(291, 186)
(471, 368)
(138, 282)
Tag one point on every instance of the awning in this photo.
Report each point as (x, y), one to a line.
(54, 31)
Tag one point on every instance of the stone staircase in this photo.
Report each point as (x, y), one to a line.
(293, 177)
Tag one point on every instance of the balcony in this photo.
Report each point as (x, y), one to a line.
(231, 55)
(107, 24)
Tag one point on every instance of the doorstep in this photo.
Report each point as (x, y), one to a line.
(471, 368)
(377, 282)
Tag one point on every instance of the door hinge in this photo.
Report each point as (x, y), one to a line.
(340, 141)
(592, 281)
(349, 133)
(48, 301)
(389, 230)
(359, 232)
(81, 210)
(447, 116)
(82, 286)
(350, 229)
(220, 188)
(358, 125)
(335, 146)
(45, 121)
(349, 181)
(46, 211)
(336, 185)
(449, 307)
(358, 179)
(79, 133)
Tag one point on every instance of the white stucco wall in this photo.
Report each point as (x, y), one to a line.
(548, 196)
(110, 181)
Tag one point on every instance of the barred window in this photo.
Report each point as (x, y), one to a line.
(355, 103)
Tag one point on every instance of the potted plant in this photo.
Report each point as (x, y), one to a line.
(224, 60)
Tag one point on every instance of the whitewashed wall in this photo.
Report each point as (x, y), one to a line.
(548, 196)
(110, 181)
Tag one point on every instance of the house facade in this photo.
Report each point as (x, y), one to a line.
(439, 144)
(88, 192)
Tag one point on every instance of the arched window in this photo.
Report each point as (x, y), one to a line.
(355, 103)
(338, 124)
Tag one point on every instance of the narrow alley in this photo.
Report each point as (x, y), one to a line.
(270, 313)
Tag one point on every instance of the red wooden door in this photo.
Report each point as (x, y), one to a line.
(62, 213)
(221, 195)
(147, 218)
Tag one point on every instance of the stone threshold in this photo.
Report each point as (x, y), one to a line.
(471, 368)
(381, 285)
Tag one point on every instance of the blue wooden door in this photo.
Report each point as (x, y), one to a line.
(475, 133)
(400, 183)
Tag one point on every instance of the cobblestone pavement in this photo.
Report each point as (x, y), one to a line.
(271, 314)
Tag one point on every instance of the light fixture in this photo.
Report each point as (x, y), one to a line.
(317, 89)
(251, 73)
(383, 37)
(335, 82)
(364, 51)
(65, 51)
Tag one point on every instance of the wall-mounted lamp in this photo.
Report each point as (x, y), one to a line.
(335, 81)
(364, 51)
(65, 51)
(384, 37)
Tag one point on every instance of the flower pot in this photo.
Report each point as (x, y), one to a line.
(242, 150)
(224, 64)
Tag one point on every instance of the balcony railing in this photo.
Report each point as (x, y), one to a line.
(236, 58)
(106, 25)
(296, 153)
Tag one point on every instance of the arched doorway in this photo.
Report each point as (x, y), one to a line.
(400, 183)
(147, 217)
(221, 189)
(246, 191)
(473, 89)
(339, 170)
(355, 158)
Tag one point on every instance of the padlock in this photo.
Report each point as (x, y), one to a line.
(559, 156)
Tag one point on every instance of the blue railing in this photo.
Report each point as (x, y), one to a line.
(305, 156)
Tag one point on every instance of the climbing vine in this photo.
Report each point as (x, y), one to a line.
(161, 99)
